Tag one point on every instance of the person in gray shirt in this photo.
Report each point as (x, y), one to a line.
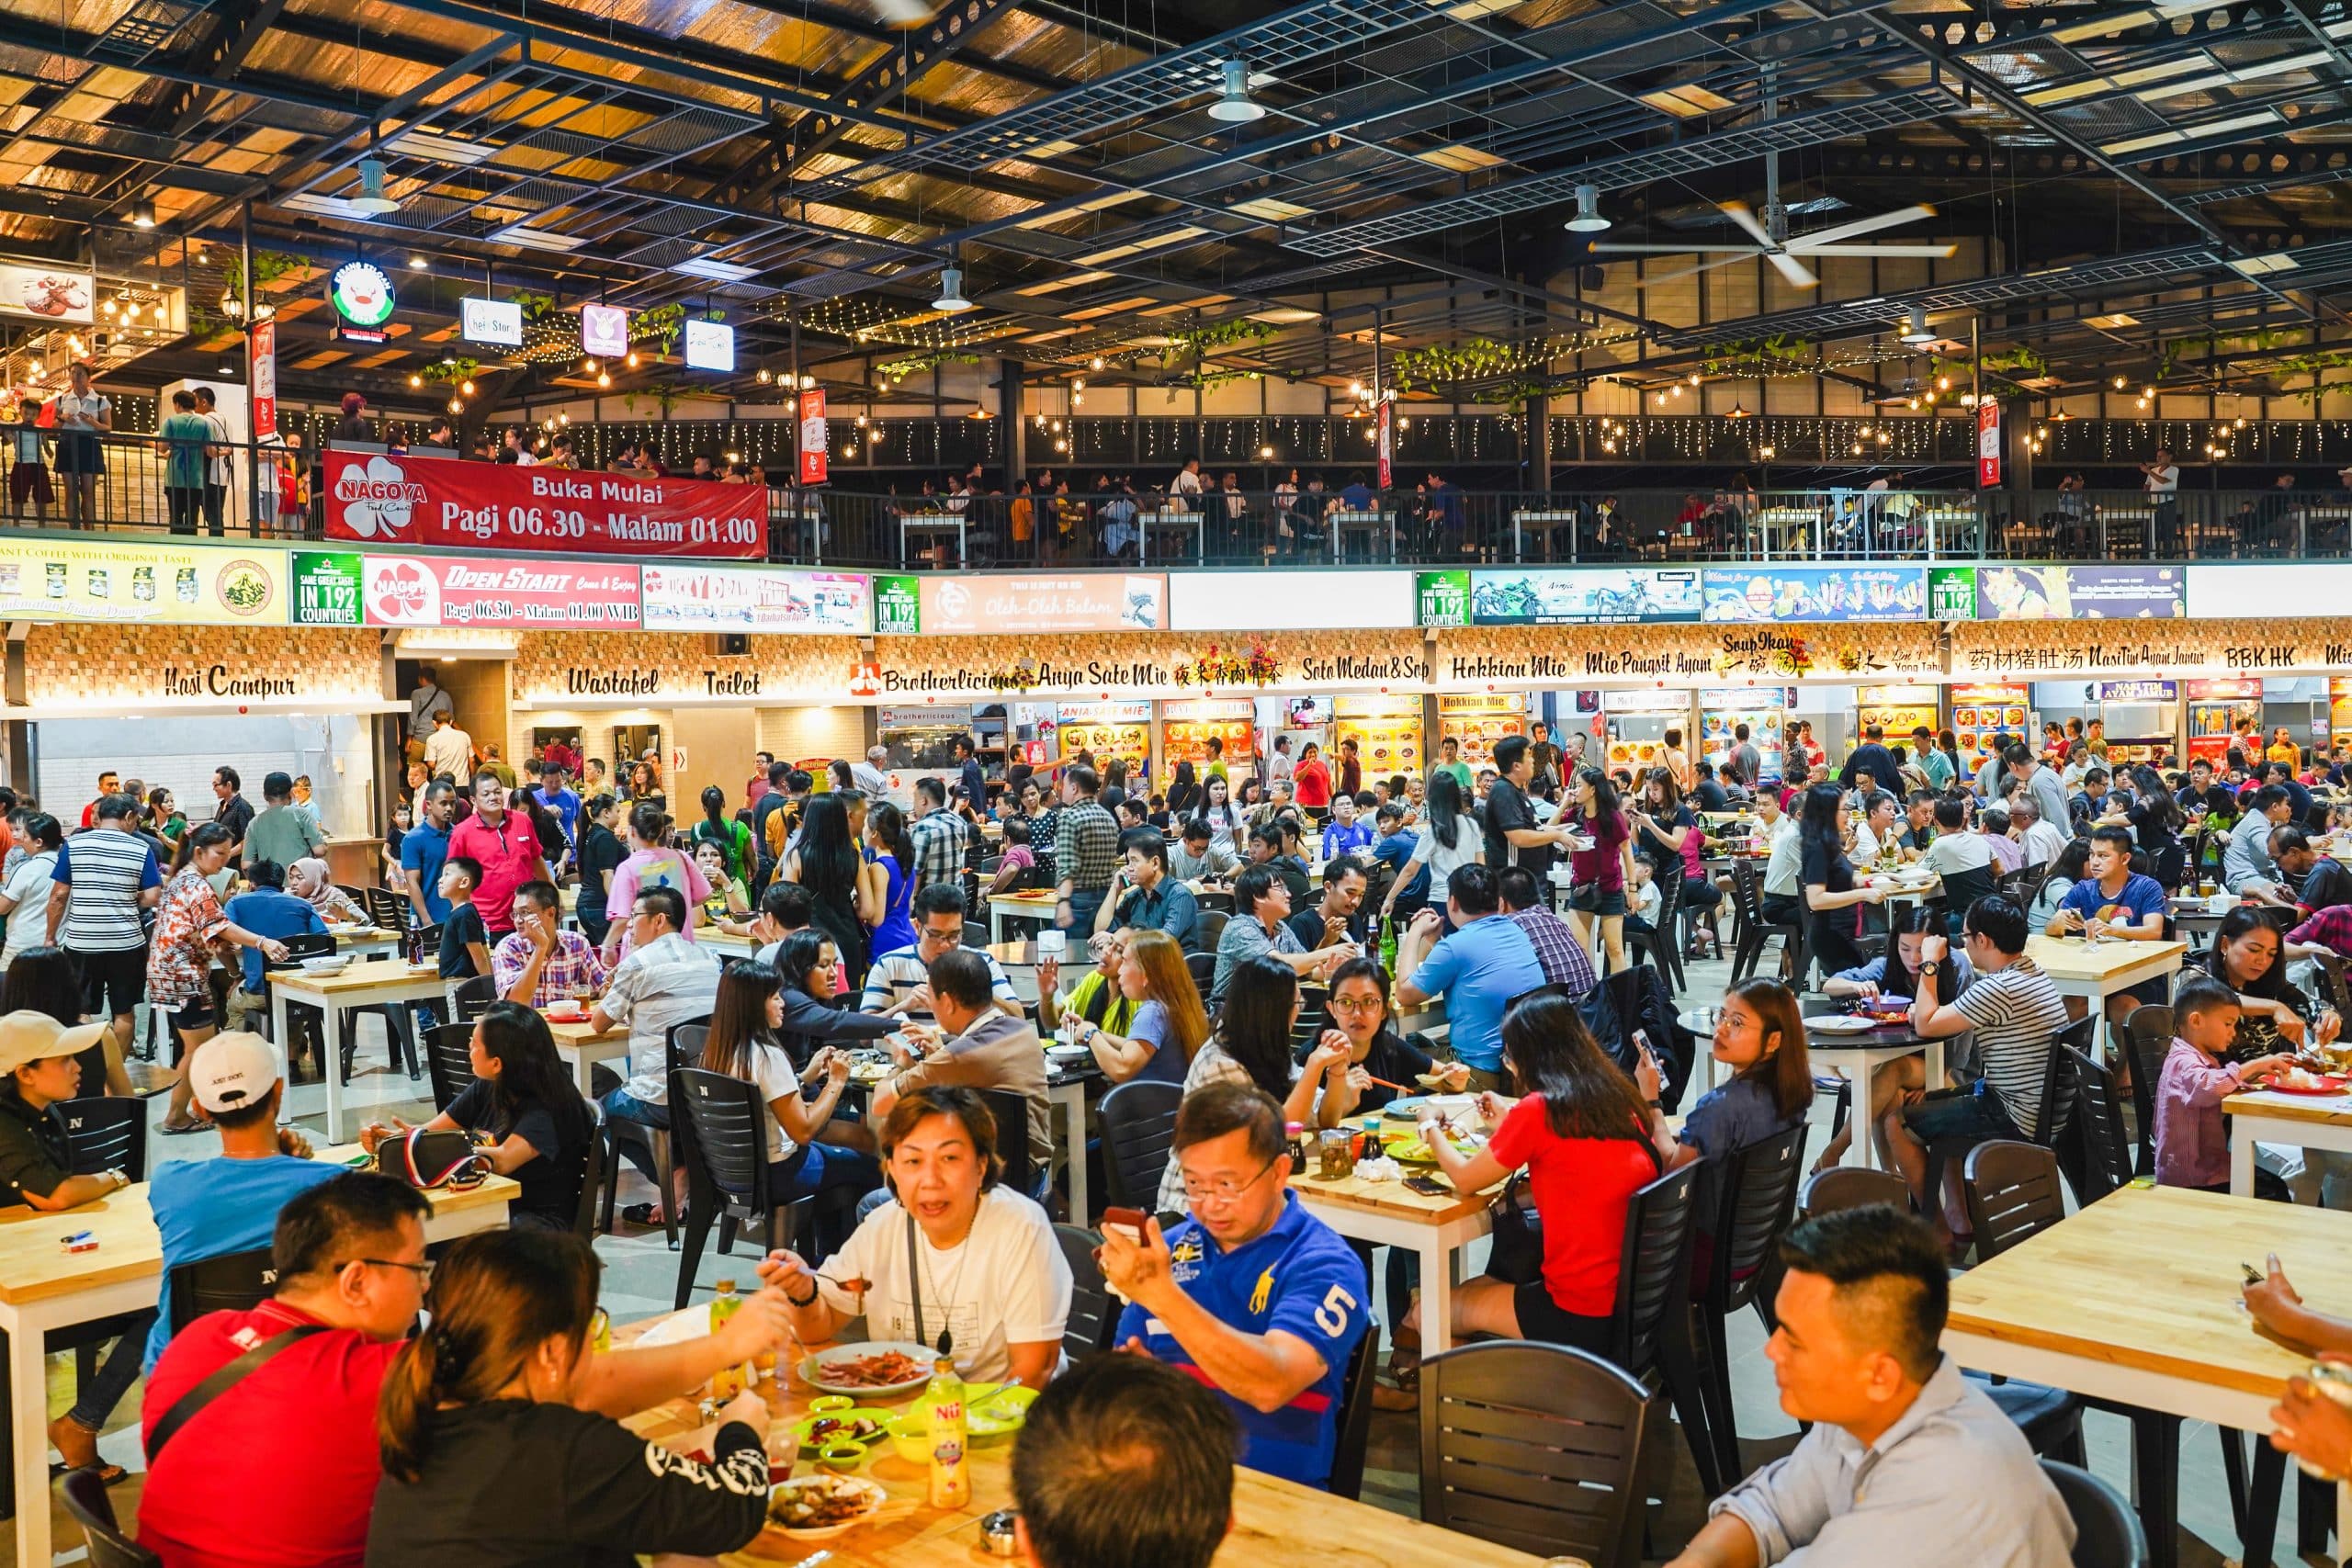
(1200, 855)
(2247, 865)
(2042, 782)
(1906, 1461)
(1260, 924)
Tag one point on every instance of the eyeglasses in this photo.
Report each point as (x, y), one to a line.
(1224, 1191)
(945, 939)
(1356, 1004)
(424, 1271)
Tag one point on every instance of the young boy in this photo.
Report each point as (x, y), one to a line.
(2192, 1141)
(465, 941)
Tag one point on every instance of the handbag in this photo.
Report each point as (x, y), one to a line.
(427, 1157)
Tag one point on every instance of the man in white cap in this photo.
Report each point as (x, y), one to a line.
(37, 1071)
(206, 1207)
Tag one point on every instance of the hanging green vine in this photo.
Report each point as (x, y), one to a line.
(916, 365)
(659, 326)
(533, 306)
(1779, 355)
(453, 371)
(1202, 340)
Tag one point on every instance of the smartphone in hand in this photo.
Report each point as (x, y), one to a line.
(1129, 1222)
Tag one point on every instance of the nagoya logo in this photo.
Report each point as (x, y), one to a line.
(400, 592)
(377, 498)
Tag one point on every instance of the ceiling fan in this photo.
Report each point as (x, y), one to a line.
(1771, 231)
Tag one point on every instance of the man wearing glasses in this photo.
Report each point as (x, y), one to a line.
(898, 982)
(1250, 1293)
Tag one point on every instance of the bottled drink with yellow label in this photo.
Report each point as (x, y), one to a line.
(943, 1398)
(733, 1378)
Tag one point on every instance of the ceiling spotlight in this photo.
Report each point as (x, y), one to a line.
(1915, 326)
(416, 263)
(1235, 104)
(226, 370)
(1587, 219)
(371, 199)
(951, 291)
(142, 214)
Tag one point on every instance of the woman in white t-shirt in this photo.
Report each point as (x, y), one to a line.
(954, 1252)
(25, 900)
(1444, 810)
(83, 416)
(807, 1150)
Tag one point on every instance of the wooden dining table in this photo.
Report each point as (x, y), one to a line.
(2274, 1116)
(582, 1045)
(2136, 1299)
(1274, 1522)
(368, 982)
(1862, 1051)
(2078, 968)
(1435, 1227)
(44, 1288)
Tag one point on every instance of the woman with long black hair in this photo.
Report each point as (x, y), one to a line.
(807, 968)
(826, 862)
(807, 1149)
(2157, 822)
(1599, 876)
(1453, 838)
(888, 879)
(733, 839)
(523, 1101)
(1183, 790)
(1827, 876)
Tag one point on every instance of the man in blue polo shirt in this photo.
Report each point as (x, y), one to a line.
(1251, 1294)
(425, 848)
(1484, 963)
(2113, 903)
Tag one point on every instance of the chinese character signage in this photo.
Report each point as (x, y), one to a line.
(813, 450)
(403, 498)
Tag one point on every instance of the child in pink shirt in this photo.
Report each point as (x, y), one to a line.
(2192, 1135)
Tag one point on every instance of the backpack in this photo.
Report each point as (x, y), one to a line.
(1636, 998)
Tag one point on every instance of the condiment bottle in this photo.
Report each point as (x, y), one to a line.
(951, 1477)
(733, 1378)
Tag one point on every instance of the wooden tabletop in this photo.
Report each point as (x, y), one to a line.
(34, 1265)
(1040, 898)
(2332, 1110)
(359, 977)
(2071, 958)
(2147, 1279)
(581, 1032)
(1273, 1520)
(361, 933)
(1394, 1198)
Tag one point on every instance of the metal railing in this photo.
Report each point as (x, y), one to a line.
(269, 493)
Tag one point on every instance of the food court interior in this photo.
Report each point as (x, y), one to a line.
(1796, 477)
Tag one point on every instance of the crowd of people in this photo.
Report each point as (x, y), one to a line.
(1263, 949)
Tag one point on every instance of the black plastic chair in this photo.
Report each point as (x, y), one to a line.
(387, 910)
(1757, 1199)
(233, 1281)
(2057, 1106)
(592, 1176)
(84, 1493)
(472, 996)
(2013, 1190)
(1092, 1325)
(1534, 1447)
(2147, 1035)
(1138, 1129)
(618, 1136)
(106, 1131)
(1650, 1322)
(2107, 1533)
(449, 1062)
(2099, 1117)
(1753, 930)
(1010, 1109)
(1852, 1186)
(1355, 1417)
(719, 1124)
(1202, 966)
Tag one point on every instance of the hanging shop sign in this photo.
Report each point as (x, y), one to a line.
(48, 292)
(964, 605)
(1768, 594)
(1186, 727)
(1298, 601)
(603, 331)
(2101, 592)
(363, 301)
(752, 599)
(59, 578)
(265, 358)
(1441, 599)
(588, 668)
(1988, 444)
(496, 321)
(814, 449)
(474, 590)
(1571, 595)
(710, 346)
(387, 500)
(2139, 691)
(1898, 710)
(1385, 442)
(1192, 665)
(1687, 655)
(2096, 648)
(119, 668)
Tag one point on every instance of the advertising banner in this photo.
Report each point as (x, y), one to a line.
(1385, 442)
(1442, 598)
(48, 292)
(1100, 601)
(490, 320)
(603, 331)
(2100, 592)
(1988, 444)
(265, 345)
(443, 590)
(60, 577)
(1577, 595)
(1295, 599)
(813, 439)
(326, 588)
(407, 500)
(1767, 594)
(750, 599)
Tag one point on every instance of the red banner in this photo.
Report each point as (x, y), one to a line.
(1385, 439)
(265, 379)
(814, 448)
(1988, 444)
(474, 590)
(404, 499)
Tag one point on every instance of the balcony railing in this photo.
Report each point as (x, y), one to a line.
(1445, 526)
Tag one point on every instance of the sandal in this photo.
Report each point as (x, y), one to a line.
(109, 1474)
(175, 1130)
(644, 1215)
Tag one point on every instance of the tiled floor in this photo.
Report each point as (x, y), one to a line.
(641, 1276)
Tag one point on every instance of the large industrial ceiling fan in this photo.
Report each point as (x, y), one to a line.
(1773, 241)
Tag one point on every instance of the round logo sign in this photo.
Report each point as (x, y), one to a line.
(361, 293)
(400, 592)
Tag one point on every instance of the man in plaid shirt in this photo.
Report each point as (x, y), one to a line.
(539, 962)
(2325, 930)
(941, 836)
(1086, 851)
(1563, 959)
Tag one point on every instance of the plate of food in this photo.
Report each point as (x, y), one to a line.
(1408, 1107)
(870, 1072)
(818, 1507)
(876, 1367)
(2302, 1080)
(990, 1411)
(1840, 1023)
(858, 1423)
(1407, 1148)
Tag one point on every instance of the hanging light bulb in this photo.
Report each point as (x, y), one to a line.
(198, 258)
(951, 291)
(2119, 383)
(2147, 394)
(861, 422)
(632, 359)
(763, 378)
(1078, 385)
(467, 389)
(1589, 219)
(457, 405)
(603, 379)
(807, 383)
(563, 419)
(415, 380)
(1078, 399)
(1095, 363)
(1265, 454)
(1234, 104)
(1694, 378)
(1943, 383)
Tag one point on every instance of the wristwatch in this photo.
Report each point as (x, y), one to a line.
(1930, 967)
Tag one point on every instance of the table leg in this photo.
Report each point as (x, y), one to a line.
(1071, 1098)
(28, 1425)
(996, 923)
(1437, 1297)
(278, 1032)
(582, 1074)
(1865, 1135)
(331, 1030)
(2242, 1162)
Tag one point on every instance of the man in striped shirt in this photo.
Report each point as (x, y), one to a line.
(104, 877)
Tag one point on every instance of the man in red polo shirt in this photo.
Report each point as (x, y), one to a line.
(507, 845)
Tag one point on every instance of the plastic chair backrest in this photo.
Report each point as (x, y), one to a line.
(1010, 1109)
(2014, 1191)
(1852, 1186)
(1355, 1417)
(448, 1059)
(84, 1493)
(592, 1176)
(1654, 1267)
(472, 996)
(1758, 1198)
(106, 1131)
(1092, 1325)
(233, 1281)
(724, 1140)
(2098, 1108)
(2107, 1533)
(1138, 1128)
